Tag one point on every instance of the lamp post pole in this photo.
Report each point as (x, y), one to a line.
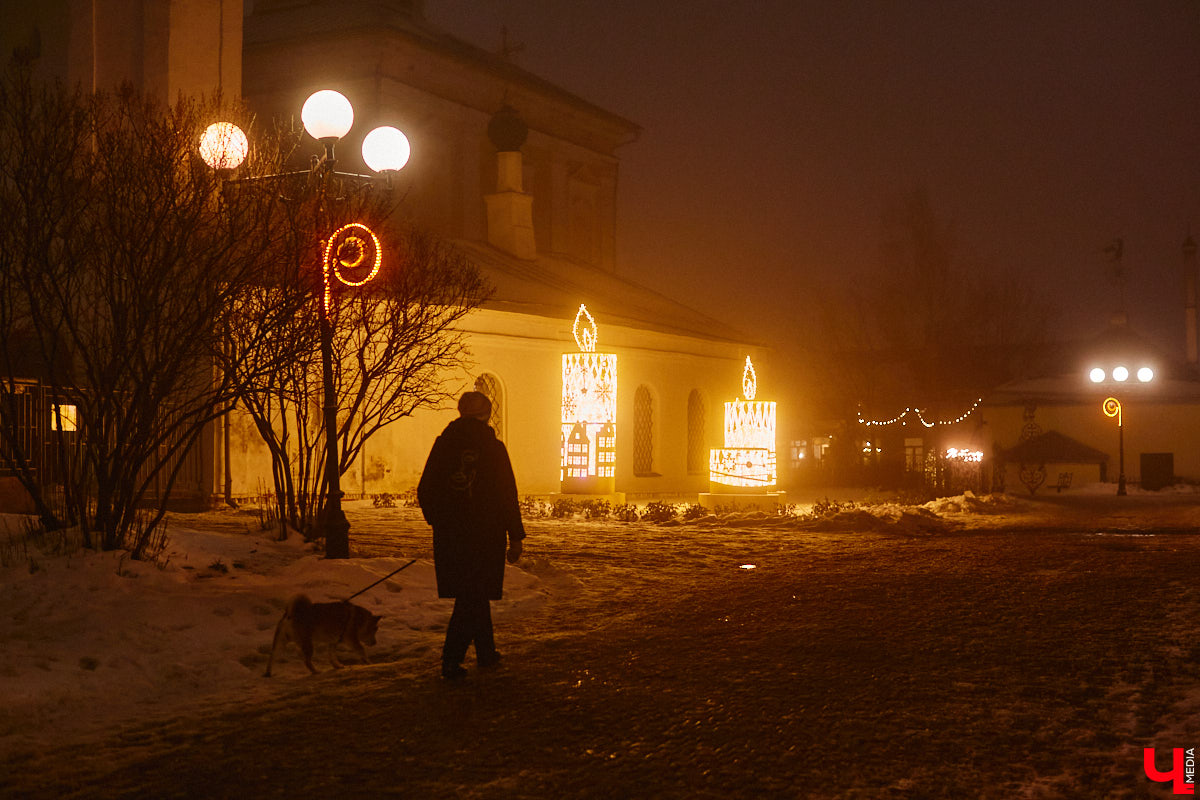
(1112, 408)
(337, 528)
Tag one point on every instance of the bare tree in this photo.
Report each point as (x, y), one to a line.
(927, 327)
(395, 344)
(120, 266)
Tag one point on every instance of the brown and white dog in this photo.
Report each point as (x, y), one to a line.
(306, 623)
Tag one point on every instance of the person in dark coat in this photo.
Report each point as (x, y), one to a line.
(468, 495)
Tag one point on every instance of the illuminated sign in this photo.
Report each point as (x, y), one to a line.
(748, 458)
(589, 413)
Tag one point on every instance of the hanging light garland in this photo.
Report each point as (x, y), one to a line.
(900, 418)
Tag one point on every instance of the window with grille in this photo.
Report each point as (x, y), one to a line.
(643, 432)
(489, 385)
(697, 450)
(914, 455)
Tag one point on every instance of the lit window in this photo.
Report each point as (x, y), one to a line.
(63, 417)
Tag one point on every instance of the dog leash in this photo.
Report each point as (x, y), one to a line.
(381, 580)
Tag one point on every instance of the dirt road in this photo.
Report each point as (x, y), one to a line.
(994, 663)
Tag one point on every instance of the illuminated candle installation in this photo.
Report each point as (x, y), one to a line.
(748, 459)
(589, 413)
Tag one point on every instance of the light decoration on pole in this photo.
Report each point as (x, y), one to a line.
(747, 461)
(351, 249)
(589, 413)
(1112, 409)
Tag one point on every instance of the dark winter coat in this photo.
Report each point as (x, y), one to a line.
(469, 495)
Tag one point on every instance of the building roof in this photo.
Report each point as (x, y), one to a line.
(554, 287)
(1064, 376)
(1053, 447)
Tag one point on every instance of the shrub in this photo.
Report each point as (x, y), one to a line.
(596, 509)
(534, 508)
(383, 500)
(694, 511)
(563, 507)
(625, 513)
(658, 512)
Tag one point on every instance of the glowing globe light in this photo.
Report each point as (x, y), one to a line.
(1145, 374)
(1097, 375)
(327, 115)
(386, 149)
(1120, 374)
(223, 145)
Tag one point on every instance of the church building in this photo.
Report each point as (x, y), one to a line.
(519, 174)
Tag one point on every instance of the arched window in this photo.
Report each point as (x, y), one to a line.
(643, 432)
(489, 385)
(697, 446)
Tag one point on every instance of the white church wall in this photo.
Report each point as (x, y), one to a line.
(524, 352)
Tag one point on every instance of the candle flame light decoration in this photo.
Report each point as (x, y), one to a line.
(748, 459)
(589, 413)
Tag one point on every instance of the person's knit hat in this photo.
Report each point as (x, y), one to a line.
(475, 404)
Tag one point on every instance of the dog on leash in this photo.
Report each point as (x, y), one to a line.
(307, 623)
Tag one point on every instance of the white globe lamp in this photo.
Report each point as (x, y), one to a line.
(223, 146)
(327, 115)
(386, 149)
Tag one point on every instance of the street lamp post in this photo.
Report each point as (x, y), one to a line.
(1112, 408)
(328, 116)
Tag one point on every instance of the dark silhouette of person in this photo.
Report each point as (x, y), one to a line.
(468, 495)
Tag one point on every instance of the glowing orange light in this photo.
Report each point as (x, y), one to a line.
(748, 458)
(749, 380)
(1112, 408)
(350, 247)
(584, 330)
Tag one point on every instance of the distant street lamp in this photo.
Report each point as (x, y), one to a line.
(1112, 408)
(327, 116)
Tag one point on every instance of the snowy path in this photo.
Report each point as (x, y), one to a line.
(978, 660)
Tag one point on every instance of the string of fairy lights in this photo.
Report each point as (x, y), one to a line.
(900, 419)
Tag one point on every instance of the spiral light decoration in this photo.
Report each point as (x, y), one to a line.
(351, 247)
(1112, 408)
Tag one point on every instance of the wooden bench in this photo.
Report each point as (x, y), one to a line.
(1064, 481)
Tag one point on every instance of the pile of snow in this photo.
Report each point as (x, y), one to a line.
(94, 636)
(969, 503)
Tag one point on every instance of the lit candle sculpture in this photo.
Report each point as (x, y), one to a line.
(748, 459)
(589, 413)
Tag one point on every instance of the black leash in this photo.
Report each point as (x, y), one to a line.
(381, 580)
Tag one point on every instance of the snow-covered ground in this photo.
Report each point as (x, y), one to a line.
(88, 639)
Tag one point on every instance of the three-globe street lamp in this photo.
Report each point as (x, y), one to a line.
(327, 116)
(1112, 407)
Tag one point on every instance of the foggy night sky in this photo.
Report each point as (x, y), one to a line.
(776, 131)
